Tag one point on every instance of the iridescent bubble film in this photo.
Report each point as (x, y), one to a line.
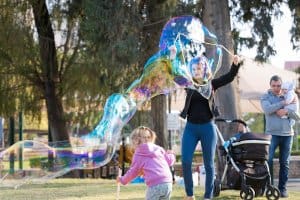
(188, 56)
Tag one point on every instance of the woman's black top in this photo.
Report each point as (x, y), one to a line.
(197, 107)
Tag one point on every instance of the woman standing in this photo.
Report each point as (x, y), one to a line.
(199, 111)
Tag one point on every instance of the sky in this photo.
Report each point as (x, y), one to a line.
(281, 41)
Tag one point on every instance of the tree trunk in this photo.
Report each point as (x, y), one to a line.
(158, 103)
(217, 19)
(49, 69)
(159, 116)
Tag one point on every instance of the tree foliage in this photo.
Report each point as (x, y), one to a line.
(18, 62)
(258, 16)
(294, 6)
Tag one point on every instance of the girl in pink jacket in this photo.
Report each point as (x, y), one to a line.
(153, 162)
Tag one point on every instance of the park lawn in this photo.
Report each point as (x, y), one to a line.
(100, 189)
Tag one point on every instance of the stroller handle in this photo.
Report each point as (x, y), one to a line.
(231, 121)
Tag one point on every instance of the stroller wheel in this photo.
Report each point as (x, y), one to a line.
(247, 193)
(272, 193)
(217, 187)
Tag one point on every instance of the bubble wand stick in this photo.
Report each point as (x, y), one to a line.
(118, 185)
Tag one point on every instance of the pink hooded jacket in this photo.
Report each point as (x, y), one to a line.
(153, 162)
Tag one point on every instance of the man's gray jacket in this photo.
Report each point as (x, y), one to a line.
(275, 125)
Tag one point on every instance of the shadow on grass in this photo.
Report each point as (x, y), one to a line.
(228, 197)
(92, 189)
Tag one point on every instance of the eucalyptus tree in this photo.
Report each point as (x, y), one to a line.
(18, 59)
(33, 69)
(73, 56)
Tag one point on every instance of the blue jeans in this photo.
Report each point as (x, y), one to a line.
(207, 135)
(285, 145)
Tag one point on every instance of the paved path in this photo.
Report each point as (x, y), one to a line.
(293, 184)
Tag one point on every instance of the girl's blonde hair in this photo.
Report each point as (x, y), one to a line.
(142, 135)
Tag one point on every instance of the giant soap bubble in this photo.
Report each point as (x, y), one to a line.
(183, 40)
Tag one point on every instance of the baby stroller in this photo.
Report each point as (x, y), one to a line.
(246, 167)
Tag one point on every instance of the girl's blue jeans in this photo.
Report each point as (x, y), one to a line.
(207, 135)
(285, 145)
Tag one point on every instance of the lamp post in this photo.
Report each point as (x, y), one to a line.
(11, 142)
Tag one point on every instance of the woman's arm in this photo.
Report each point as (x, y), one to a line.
(227, 78)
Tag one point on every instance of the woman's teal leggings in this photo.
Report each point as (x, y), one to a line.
(207, 135)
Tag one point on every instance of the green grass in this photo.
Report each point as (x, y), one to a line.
(100, 189)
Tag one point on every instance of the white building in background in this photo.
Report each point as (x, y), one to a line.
(254, 80)
(292, 65)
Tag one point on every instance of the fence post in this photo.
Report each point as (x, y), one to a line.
(11, 142)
